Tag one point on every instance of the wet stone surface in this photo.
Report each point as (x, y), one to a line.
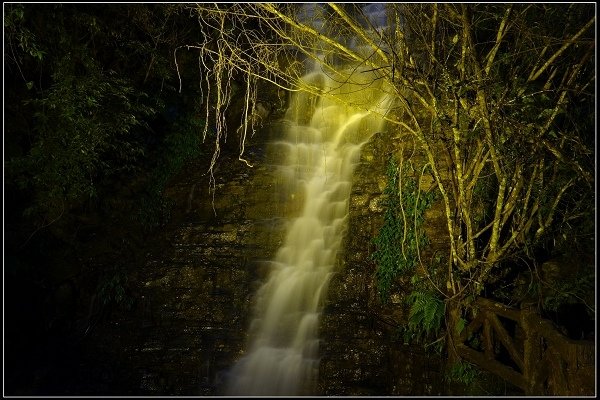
(194, 291)
(360, 354)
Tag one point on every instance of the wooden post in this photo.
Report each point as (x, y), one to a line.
(532, 366)
(488, 340)
(453, 308)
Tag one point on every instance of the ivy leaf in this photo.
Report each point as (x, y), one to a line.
(460, 325)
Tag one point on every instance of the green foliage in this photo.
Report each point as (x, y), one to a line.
(182, 143)
(401, 235)
(20, 36)
(570, 291)
(88, 120)
(113, 290)
(388, 253)
(462, 372)
(84, 127)
(460, 325)
(86, 85)
(426, 315)
(398, 243)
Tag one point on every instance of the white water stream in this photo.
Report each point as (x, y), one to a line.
(322, 146)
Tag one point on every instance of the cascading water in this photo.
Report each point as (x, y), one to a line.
(322, 146)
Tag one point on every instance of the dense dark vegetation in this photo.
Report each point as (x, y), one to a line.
(95, 126)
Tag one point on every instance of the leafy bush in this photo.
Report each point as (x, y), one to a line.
(462, 372)
(182, 143)
(401, 236)
(426, 315)
(87, 120)
(112, 289)
(85, 132)
(570, 291)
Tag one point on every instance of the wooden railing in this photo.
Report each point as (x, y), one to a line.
(527, 351)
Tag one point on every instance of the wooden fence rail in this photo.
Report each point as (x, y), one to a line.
(527, 351)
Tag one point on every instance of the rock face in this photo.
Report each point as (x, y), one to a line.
(193, 292)
(360, 354)
(190, 293)
(202, 293)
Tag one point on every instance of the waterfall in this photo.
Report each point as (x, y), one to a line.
(322, 145)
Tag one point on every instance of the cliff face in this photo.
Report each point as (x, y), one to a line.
(361, 353)
(174, 316)
(190, 289)
(194, 293)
